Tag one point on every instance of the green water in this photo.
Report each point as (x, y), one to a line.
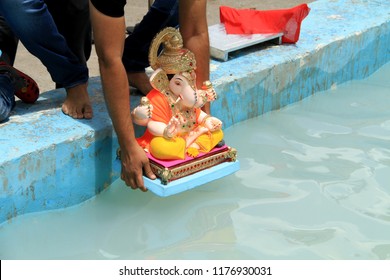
(314, 184)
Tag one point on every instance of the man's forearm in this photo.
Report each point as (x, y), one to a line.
(109, 40)
(194, 30)
(118, 101)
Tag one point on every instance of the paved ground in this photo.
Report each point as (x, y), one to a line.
(135, 9)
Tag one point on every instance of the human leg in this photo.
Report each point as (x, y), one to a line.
(8, 42)
(77, 103)
(163, 13)
(14, 82)
(72, 20)
(25, 88)
(7, 97)
(32, 23)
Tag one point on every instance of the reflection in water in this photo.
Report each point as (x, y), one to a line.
(313, 184)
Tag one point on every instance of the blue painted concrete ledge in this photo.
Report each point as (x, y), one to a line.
(50, 161)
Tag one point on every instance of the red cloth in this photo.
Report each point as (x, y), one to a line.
(247, 21)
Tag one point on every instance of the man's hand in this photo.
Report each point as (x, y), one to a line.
(134, 165)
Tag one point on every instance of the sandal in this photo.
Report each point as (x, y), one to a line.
(26, 89)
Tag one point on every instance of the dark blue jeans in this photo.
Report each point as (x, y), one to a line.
(163, 13)
(72, 20)
(7, 97)
(32, 23)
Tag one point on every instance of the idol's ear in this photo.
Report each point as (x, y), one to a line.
(159, 80)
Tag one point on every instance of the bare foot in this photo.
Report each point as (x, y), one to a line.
(140, 81)
(77, 104)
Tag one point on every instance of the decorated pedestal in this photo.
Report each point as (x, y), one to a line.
(181, 175)
(169, 171)
(176, 176)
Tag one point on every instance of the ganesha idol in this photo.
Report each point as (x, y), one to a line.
(176, 127)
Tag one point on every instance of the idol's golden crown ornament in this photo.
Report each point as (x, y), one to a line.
(173, 58)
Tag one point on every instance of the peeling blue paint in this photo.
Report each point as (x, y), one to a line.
(50, 161)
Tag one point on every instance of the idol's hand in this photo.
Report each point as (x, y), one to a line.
(211, 94)
(172, 128)
(213, 124)
(144, 110)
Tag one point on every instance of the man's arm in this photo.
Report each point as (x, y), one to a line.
(194, 30)
(109, 35)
